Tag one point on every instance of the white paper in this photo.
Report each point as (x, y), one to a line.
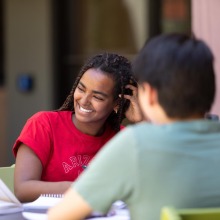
(117, 212)
(34, 216)
(124, 215)
(8, 202)
(43, 202)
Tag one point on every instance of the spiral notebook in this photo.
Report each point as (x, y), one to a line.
(117, 212)
(43, 203)
(10, 204)
(37, 209)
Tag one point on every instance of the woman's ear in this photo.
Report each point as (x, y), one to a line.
(116, 108)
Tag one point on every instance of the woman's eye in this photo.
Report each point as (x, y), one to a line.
(80, 88)
(99, 98)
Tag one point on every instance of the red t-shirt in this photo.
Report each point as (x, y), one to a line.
(60, 146)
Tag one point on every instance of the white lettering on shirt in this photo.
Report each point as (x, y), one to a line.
(76, 161)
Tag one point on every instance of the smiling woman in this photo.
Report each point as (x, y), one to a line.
(93, 102)
(54, 146)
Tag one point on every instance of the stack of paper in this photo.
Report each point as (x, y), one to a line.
(37, 209)
(8, 202)
(43, 203)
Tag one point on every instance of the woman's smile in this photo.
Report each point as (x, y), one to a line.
(84, 109)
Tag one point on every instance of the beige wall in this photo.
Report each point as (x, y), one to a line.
(28, 49)
(206, 25)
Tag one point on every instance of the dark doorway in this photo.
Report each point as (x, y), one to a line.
(83, 28)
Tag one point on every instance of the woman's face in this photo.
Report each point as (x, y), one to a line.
(93, 97)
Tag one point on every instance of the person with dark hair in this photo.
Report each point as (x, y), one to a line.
(172, 161)
(55, 146)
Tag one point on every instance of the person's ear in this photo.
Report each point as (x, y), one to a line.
(151, 93)
(116, 108)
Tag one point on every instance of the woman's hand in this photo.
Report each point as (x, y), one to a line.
(133, 114)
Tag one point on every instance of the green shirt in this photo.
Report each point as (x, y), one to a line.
(149, 166)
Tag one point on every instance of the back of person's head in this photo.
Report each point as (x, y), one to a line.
(181, 69)
(119, 69)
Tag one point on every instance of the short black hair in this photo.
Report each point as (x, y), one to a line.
(180, 68)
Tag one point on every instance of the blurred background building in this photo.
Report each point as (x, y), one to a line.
(43, 44)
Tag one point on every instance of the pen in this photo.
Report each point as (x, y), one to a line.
(84, 167)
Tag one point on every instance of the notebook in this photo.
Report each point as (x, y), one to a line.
(43, 203)
(118, 211)
(37, 209)
(10, 204)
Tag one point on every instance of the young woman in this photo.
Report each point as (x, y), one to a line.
(55, 146)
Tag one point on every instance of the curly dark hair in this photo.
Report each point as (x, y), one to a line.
(119, 68)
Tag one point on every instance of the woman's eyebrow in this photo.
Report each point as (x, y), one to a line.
(100, 93)
(94, 91)
(82, 84)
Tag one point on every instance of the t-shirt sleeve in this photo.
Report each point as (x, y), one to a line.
(110, 176)
(36, 134)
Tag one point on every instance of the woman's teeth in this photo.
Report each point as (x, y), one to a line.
(84, 110)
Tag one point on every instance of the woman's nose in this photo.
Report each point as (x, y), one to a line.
(85, 99)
